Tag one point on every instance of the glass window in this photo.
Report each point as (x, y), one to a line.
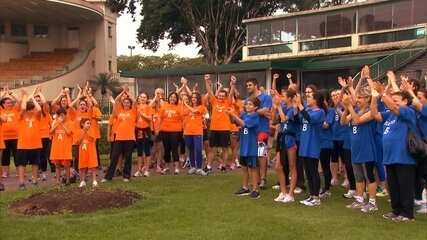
(289, 35)
(253, 33)
(19, 30)
(383, 17)
(403, 35)
(325, 44)
(310, 27)
(282, 48)
(277, 27)
(265, 33)
(366, 19)
(402, 14)
(420, 11)
(341, 23)
(39, 30)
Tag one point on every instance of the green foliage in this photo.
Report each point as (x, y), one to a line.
(215, 25)
(138, 62)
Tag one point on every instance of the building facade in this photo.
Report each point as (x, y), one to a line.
(55, 43)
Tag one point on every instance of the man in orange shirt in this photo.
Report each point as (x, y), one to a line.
(220, 124)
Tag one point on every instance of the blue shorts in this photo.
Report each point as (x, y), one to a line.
(250, 162)
(288, 141)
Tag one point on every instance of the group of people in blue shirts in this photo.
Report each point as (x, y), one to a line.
(366, 127)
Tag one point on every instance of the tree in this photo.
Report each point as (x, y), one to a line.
(103, 83)
(215, 25)
(137, 62)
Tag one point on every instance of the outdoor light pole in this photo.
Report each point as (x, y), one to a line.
(131, 48)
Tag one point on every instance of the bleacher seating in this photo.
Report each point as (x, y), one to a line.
(37, 65)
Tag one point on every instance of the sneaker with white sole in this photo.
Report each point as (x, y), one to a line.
(334, 182)
(345, 184)
(422, 209)
(176, 172)
(288, 199)
(201, 172)
(164, 171)
(390, 216)
(254, 195)
(126, 180)
(325, 194)
(298, 190)
(356, 205)
(350, 194)
(104, 180)
(369, 207)
(192, 171)
(146, 173)
(280, 198)
(306, 200)
(275, 187)
(243, 192)
(137, 174)
(403, 219)
(313, 202)
(95, 184)
(82, 184)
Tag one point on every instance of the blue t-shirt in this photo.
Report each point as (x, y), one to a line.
(338, 131)
(310, 133)
(422, 121)
(265, 102)
(289, 128)
(326, 133)
(395, 133)
(248, 135)
(363, 147)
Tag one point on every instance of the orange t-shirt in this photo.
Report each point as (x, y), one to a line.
(126, 120)
(77, 116)
(142, 122)
(87, 150)
(29, 131)
(220, 119)
(171, 118)
(96, 115)
(45, 122)
(193, 121)
(61, 148)
(238, 108)
(10, 126)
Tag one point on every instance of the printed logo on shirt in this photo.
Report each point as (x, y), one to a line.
(170, 113)
(387, 125)
(124, 116)
(354, 130)
(305, 125)
(245, 131)
(29, 122)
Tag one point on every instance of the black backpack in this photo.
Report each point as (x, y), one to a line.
(417, 145)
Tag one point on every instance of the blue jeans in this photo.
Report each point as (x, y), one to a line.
(195, 145)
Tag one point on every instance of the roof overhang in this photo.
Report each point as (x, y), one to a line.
(49, 11)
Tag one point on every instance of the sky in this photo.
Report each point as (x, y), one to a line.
(126, 36)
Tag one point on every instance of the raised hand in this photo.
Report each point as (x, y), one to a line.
(346, 100)
(184, 81)
(342, 82)
(276, 76)
(233, 79)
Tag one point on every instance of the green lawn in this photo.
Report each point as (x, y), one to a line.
(190, 207)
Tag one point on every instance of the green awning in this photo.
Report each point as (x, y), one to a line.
(302, 64)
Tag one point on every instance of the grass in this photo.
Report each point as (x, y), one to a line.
(190, 207)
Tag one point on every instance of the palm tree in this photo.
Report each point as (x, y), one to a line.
(104, 82)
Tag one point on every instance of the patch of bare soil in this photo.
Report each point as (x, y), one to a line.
(74, 200)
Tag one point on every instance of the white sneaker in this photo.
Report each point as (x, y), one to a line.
(422, 210)
(137, 174)
(350, 194)
(176, 172)
(275, 187)
(201, 172)
(103, 180)
(288, 199)
(297, 190)
(306, 200)
(345, 184)
(280, 198)
(95, 184)
(82, 184)
(418, 203)
(192, 171)
(146, 173)
(125, 179)
(313, 202)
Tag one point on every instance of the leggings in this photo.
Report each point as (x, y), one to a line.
(420, 179)
(337, 151)
(10, 150)
(124, 148)
(300, 171)
(171, 141)
(349, 169)
(312, 173)
(400, 179)
(325, 162)
(195, 145)
(44, 156)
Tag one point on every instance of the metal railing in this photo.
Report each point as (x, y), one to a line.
(78, 59)
(396, 60)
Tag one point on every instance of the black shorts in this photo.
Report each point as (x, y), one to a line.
(219, 138)
(250, 162)
(143, 141)
(26, 157)
(205, 135)
(181, 141)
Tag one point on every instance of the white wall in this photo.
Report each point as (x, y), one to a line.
(12, 50)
